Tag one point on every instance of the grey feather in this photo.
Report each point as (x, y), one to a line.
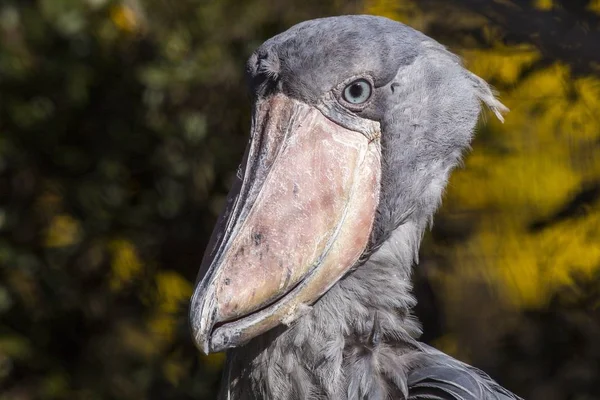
(441, 375)
(359, 339)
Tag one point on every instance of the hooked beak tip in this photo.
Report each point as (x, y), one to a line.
(201, 339)
(201, 321)
(202, 344)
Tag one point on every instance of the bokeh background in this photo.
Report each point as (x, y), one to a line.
(121, 126)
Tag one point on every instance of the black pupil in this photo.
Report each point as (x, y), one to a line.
(356, 90)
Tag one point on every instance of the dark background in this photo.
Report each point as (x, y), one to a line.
(122, 124)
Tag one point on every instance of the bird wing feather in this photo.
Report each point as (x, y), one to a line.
(441, 377)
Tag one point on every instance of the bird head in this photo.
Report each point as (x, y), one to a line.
(357, 122)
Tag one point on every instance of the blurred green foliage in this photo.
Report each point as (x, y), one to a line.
(121, 126)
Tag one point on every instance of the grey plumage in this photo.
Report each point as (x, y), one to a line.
(358, 341)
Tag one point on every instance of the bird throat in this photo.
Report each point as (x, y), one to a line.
(363, 323)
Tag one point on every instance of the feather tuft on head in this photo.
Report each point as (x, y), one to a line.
(488, 96)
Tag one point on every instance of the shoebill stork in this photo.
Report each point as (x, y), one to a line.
(357, 122)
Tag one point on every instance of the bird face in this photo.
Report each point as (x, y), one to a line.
(344, 138)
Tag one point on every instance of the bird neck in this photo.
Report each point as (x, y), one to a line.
(321, 352)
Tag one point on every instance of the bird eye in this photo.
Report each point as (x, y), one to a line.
(357, 92)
